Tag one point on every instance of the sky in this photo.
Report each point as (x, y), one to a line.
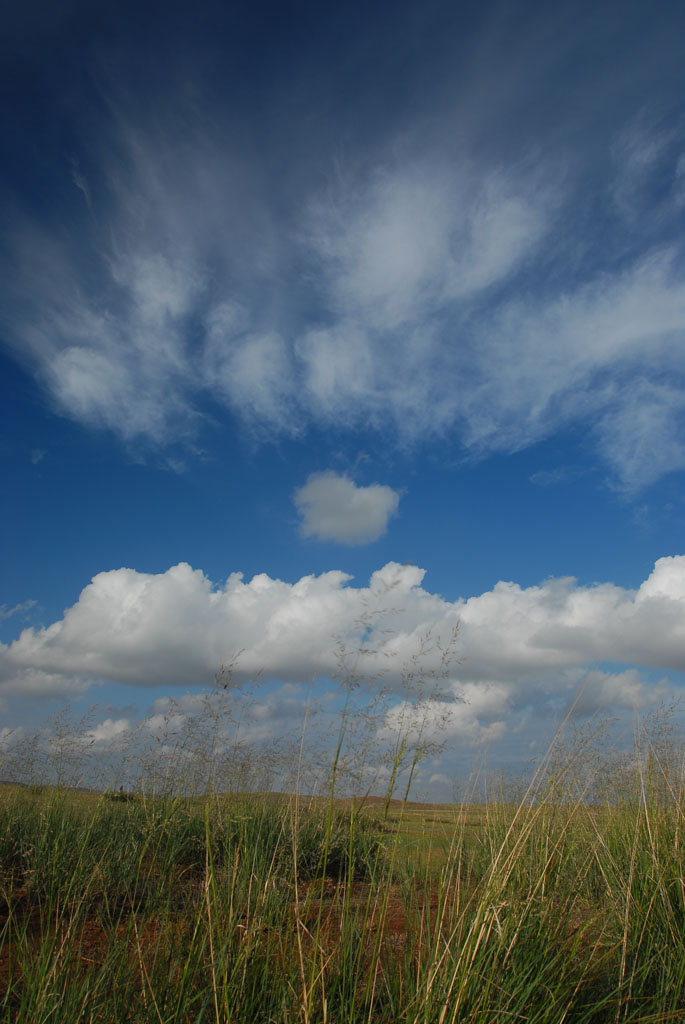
(348, 328)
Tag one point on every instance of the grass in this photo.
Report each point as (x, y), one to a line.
(272, 910)
(169, 908)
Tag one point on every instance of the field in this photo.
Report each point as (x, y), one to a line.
(118, 908)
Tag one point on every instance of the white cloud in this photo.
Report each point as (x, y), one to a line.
(412, 238)
(649, 148)
(334, 508)
(616, 691)
(584, 354)
(434, 291)
(438, 779)
(249, 370)
(554, 477)
(18, 609)
(476, 715)
(107, 733)
(643, 435)
(37, 683)
(518, 648)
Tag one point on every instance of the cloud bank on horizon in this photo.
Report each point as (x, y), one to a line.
(460, 266)
(518, 647)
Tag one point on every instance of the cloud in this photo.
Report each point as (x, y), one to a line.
(643, 434)
(18, 609)
(106, 733)
(476, 715)
(8, 737)
(519, 651)
(589, 354)
(400, 246)
(616, 691)
(439, 275)
(554, 477)
(419, 333)
(334, 508)
(647, 150)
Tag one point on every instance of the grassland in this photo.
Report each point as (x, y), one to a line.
(264, 909)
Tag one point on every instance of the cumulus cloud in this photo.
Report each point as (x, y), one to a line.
(616, 691)
(108, 731)
(476, 715)
(333, 507)
(517, 647)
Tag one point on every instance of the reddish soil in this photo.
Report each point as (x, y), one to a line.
(318, 912)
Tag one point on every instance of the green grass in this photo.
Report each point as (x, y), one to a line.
(270, 910)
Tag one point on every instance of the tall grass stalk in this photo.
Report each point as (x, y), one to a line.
(250, 909)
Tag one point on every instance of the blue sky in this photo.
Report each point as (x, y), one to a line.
(382, 307)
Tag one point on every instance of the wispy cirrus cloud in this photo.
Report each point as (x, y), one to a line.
(441, 276)
(18, 609)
